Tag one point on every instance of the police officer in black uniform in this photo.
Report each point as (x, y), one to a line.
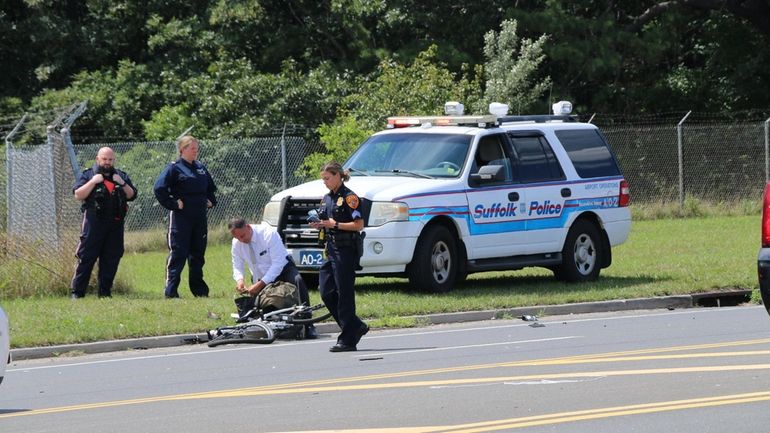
(105, 192)
(185, 187)
(342, 222)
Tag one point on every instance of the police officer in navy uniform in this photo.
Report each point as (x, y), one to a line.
(185, 187)
(342, 221)
(105, 192)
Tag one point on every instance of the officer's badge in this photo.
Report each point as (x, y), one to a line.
(339, 201)
(352, 201)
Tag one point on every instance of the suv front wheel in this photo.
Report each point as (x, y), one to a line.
(582, 254)
(435, 261)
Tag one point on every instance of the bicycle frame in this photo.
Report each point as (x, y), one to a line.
(271, 324)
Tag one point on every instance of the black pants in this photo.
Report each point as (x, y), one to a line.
(187, 238)
(335, 282)
(99, 240)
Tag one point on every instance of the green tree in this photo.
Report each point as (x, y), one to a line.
(421, 87)
(627, 56)
(230, 99)
(511, 69)
(167, 123)
(651, 56)
(340, 139)
(311, 32)
(118, 100)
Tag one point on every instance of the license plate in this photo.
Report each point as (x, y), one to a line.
(312, 259)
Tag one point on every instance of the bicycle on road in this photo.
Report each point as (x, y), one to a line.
(255, 327)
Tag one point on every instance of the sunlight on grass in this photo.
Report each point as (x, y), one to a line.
(661, 257)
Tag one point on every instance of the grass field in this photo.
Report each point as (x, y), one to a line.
(661, 257)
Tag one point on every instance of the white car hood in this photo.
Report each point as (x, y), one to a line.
(375, 188)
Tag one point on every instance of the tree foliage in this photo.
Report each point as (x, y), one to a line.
(649, 56)
(395, 89)
(233, 67)
(511, 69)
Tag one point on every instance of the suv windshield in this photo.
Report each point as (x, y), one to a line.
(411, 154)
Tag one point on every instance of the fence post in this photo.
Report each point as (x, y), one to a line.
(767, 150)
(8, 168)
(681, 164)
(50, 130)
(284, 174)
(65, 132)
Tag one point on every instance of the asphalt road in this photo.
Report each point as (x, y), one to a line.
(696, 370)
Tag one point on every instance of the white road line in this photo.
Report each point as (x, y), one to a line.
(436, 349)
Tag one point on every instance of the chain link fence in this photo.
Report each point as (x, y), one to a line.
(41, 229)
(247, 173)
(41, 224)
(723, 159)
(664, 158)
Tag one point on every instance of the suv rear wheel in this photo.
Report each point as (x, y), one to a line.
(582, 253)
(435, 261)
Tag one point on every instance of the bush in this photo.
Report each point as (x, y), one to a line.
(29, 269)
(693, 208)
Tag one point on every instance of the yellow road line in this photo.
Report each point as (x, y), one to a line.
(496, 379)
(318, 385)
(361, 387)
(602, 357)
(574, 416)
(592, 414)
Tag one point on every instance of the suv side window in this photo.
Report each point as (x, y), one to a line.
(492, 151)
(589, 153)
(535, 159)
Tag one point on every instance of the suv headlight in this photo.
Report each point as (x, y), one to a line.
(385, 212)
(270, 213)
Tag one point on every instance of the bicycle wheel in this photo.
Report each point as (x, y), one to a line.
(251, 333)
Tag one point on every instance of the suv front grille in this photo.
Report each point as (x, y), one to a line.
(294, 228)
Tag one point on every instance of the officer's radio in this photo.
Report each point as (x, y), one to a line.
(317, 215)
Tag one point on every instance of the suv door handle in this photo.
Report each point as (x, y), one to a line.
(566, 192)
(513, 196)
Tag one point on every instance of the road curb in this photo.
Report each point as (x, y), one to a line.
(668, 302)
(654, 303)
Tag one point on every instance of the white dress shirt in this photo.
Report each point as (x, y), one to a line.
(268, 258)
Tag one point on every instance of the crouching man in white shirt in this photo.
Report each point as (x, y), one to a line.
(260, 247)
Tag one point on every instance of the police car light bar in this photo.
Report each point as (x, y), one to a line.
(498, 109)
(406, 121)
(454, 108)
(562, 108)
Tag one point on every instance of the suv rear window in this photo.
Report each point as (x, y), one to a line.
(589, 153)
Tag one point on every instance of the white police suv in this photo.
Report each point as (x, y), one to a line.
(445, 196)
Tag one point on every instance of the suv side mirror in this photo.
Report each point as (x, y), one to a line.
(489, 173)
